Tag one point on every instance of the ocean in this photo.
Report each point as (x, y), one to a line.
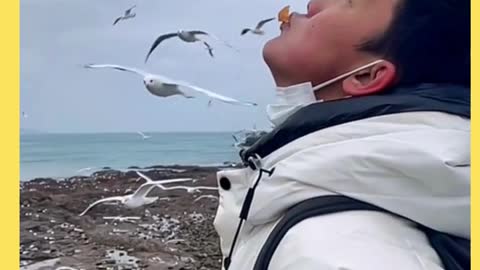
(63, 155)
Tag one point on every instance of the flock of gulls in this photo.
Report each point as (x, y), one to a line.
(160, 86)
(140, 196)
(163, 86)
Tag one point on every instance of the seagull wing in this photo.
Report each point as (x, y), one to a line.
(158, 41)
(117, 20)
(141, 134)
(198, 32)
(169, 181)
(214, 95)
(209, 48)
(148, 179)
(118, 198)
(262, 22)
(244, 31)
(177, 187)
(127, 12)
(143, 190)
(121, 68)
(206, 188)
(160, 182)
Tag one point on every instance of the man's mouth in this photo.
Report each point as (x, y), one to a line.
(284, 26)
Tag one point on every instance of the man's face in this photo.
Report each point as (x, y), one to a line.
(322, 44)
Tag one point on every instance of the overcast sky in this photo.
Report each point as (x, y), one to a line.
(58, 36)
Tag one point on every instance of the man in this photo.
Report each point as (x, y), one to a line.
(373, 105)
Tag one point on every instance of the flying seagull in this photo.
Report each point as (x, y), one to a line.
(209, 49)
(127, 15)
(164, 87)
(138, 198)
(25, 115)
(145, 137)
(186, 36)
(190, 189)
(258, 29)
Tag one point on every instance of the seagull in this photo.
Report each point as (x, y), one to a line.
(164, 87)
(127, 15)
(257, 30)
(235, 138)
(186, 36)
(149, 180)
(24, 115)
(188, 189)
(138, 198)
(145, 137)
(209, 49)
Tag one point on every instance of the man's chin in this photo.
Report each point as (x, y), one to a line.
(272, 50)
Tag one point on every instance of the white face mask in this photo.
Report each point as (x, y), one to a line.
(292, 98)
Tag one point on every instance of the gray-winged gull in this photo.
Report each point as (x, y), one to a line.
(139, 197)
(164, 87)
(186, 36)
(258, 29)
(144, 136)
(127, 15)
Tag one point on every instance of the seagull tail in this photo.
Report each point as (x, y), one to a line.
(250, 104)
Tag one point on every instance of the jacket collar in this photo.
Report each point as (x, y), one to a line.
(450, 99)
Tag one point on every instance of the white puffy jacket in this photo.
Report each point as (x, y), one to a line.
(415, 164)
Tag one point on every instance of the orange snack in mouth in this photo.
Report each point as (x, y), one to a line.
(284, 15)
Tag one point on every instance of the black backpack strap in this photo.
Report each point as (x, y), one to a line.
(453, 251)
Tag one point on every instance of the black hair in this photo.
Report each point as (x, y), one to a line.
(428, 41)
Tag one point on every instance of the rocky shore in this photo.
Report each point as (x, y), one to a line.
(176, 232)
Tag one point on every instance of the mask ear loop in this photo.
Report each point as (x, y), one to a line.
(343, 76)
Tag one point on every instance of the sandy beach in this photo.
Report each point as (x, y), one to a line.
(175, 232)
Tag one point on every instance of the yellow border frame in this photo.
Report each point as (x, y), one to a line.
(475, 48)
(9, 118)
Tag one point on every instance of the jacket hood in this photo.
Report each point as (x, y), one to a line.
(450, 99)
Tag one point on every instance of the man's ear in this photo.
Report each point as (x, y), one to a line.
(372, 80)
